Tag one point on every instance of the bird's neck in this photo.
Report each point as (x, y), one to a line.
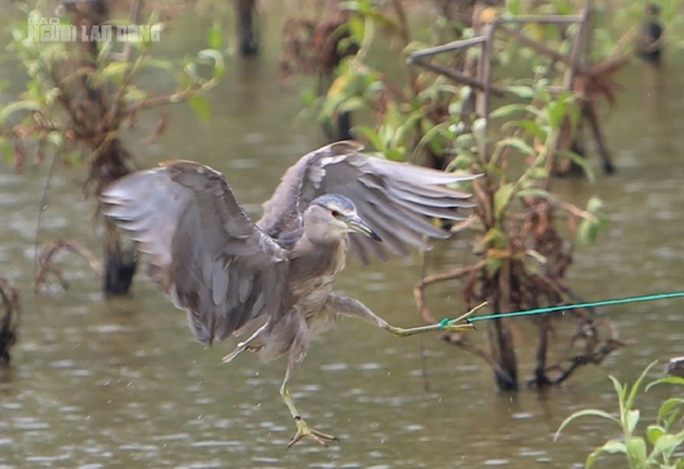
(320, 256)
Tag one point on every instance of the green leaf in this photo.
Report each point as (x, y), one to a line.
(666, 380)
(668, 406)
(514, 7)
(406, 130)
(115, 71)
(636, 452)
(351, 104)
(73, 158)
(372, 136)
(584, 413)
(525, 92)
(587, 232)
(582, 162)
(478, 127)
(134, 94)
(464, 161)
(610, 447)
(356, 28)
(6, 150)
(519, 144)
(588, 229)
(56, 138)
(614, 446)
(432, 136)
(671, 418)
(217, 58)
(502, 197)
(537, 173)
(620, 391)
(494, 238)
(531, 127)
(465, 141)
(215, 36)
(507, 110)
(535, 192)
(465, 93)
(24, 105)
(200, 105)
(637, 385)
(493, 265)
(556, 110)
(51, 95)
(104, 54)
(654, 432)
(668, 444)
(631, 420)
(395, 154)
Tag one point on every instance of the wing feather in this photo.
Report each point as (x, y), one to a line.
(204, 250)
(395, 199)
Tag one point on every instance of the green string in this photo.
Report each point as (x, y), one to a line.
(593, 304)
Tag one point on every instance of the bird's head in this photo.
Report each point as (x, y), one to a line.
(332, 215)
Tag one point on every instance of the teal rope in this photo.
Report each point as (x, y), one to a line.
(593, 304)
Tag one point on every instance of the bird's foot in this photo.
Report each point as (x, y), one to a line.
(231, 356)
(241, 347)
(303, 430)
(462, 323)
(457, 328)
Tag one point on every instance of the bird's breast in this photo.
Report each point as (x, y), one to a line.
(313, 274)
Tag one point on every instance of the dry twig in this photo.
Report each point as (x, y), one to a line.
(46, 262)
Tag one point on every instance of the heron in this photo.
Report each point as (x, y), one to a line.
(272, 281)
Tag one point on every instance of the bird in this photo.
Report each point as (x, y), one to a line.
(272, 281)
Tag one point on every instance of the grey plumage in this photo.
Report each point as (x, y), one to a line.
(272, 280)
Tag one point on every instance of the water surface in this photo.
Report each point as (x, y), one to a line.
(123, 383)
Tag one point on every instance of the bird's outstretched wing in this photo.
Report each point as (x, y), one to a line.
(204, 250)
(395, 199)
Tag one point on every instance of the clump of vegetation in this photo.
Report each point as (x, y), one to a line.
(81, 93)
(439, 115)
(659, 446)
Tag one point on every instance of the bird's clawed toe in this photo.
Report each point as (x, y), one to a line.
(303, 430)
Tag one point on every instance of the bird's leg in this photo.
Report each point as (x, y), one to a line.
(303, 430)
(352, 307)
(242, 346)
(457, 325)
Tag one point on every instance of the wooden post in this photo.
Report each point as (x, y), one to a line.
(248, 34)
(484, 75)
(503, 347)
(578, 51)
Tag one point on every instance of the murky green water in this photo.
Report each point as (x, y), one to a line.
(124, 383)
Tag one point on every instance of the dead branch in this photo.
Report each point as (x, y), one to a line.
(577, 361)
(458, 77)
(593, 354)
(462, 341)
(463, 225)
(46, 265)
(419, 288)
(174, 98)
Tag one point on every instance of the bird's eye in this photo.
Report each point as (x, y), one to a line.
(335, 213)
